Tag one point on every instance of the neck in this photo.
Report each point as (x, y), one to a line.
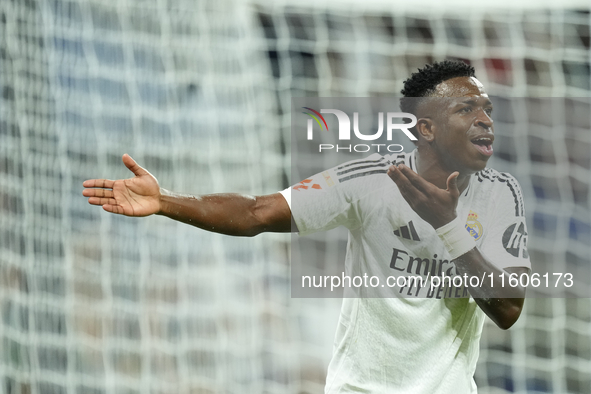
(431, 168)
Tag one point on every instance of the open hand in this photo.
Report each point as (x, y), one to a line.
(137, 196)
(434, 205)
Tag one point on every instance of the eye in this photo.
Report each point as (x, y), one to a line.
(489, 111)
(466, 109)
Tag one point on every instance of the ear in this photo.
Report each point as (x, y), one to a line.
(426, 129)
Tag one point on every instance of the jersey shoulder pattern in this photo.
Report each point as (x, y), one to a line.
(361, 168)
(505, 181)
(372, 165)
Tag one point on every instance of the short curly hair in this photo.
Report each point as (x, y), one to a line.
(424, 82)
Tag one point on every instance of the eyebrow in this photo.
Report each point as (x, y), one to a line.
(475, 101)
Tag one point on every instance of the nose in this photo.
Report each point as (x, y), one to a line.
(484, 120)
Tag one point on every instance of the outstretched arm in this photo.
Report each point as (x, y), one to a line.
(231, 214)
(438, 208)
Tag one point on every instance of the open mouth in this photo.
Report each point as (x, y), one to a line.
(483, 145)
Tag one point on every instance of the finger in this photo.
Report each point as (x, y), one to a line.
(98, 193)
(407, 189)
(107, 183)
(418, 181)
(133, 166)
(113, 209)
(101, 201)
(452, 184)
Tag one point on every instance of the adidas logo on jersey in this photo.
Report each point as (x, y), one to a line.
(407, 232)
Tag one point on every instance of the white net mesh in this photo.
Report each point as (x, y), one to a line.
(92, 302)
(196, 92)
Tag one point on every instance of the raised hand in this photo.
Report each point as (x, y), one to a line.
(434, 205)
(137, 196)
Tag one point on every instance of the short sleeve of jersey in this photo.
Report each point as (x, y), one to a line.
(328, 199)
(505, 243)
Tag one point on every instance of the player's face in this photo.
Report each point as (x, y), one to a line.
(464, 128)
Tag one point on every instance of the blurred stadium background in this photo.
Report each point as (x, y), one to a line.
(199, 93)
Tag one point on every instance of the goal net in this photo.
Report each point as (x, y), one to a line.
(199, 93)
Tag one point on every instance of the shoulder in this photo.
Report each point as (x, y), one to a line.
(375, 164)
(362, 178)
(361, 170)
(501, 186)
(356, 179)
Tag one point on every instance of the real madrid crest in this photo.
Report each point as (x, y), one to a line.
(473, 225)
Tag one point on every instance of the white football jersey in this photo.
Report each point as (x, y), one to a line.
(412, 339)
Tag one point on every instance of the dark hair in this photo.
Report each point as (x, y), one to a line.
(424, 82)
